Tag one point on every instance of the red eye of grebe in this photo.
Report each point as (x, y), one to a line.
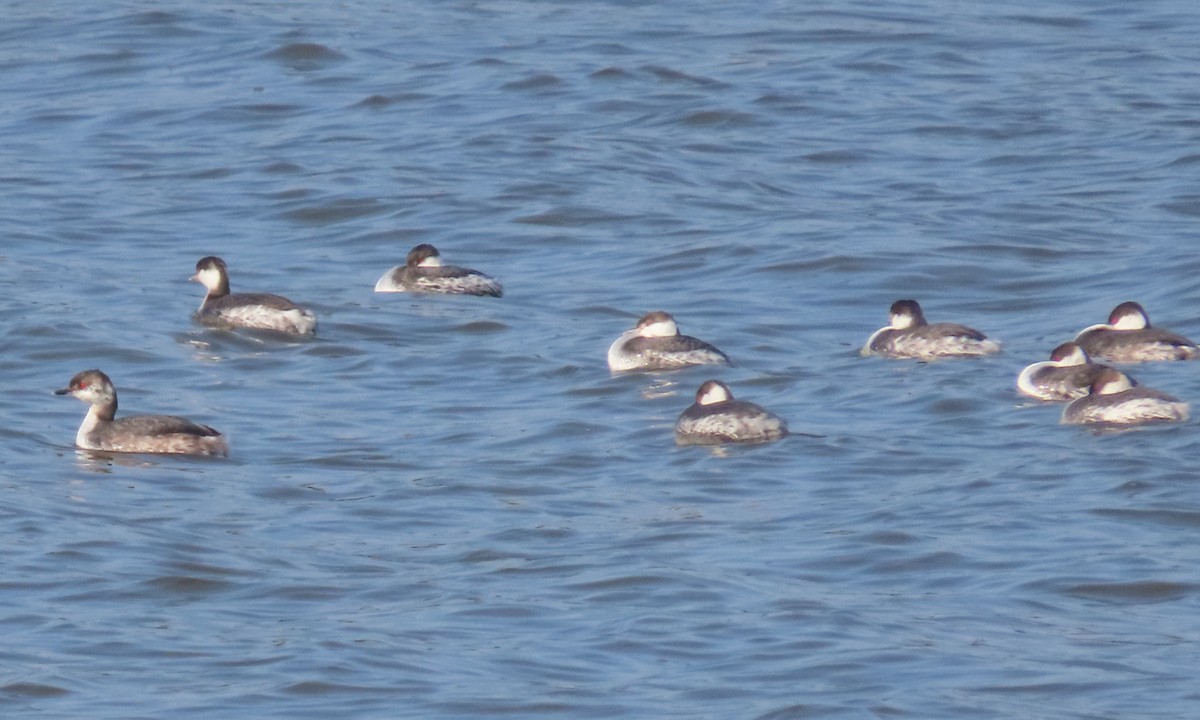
(83, 385)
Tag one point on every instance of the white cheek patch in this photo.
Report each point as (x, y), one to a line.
(93, 394)
(901, 321)
(434, 261)
(1130, 321)
(715, 394)
(662, 328)
(1073, 358)
(1116, 385)
(209, 277)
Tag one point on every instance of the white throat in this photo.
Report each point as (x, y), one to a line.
(90, 421)
(208, 277)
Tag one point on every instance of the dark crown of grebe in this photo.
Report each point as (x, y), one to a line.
(210, 262)
(423, 255)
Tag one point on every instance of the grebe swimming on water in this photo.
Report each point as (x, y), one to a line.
(656, 344)
(1115, 400)
(908, 335)
(262, 311)
(423, 272)
(1128, 337)
(101, 430)
(717, 418)
(1067, 375)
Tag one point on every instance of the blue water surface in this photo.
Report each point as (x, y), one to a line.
(448, 507)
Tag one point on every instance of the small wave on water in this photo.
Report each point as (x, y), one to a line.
(449, 506)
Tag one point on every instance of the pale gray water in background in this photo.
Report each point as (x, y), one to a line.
(447, 507)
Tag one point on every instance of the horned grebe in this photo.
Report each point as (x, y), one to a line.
(908, 335)
(1114, 400)
(655, 344)
(1068, 375)
(136, 433)
(423, 272)
(717, 418)
(262, 311)
(1127, 337)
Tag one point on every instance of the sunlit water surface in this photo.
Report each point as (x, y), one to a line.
(448, 507)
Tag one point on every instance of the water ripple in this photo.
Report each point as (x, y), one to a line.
(449, 506)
